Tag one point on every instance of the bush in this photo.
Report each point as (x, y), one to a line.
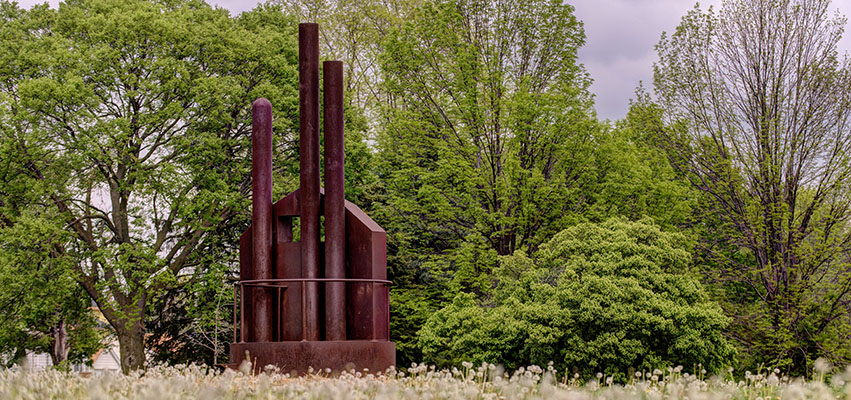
(606, 297)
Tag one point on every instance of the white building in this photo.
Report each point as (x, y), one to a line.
(104, 361)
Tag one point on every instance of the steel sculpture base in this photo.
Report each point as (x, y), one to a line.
(296, 358)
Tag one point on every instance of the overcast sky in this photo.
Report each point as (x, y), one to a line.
(620, 37)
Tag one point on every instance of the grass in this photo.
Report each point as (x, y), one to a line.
(418, 382)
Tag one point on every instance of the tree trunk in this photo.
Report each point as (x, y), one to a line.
(132, 346)
(59, 352)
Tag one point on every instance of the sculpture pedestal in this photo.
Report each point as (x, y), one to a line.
(296, 357)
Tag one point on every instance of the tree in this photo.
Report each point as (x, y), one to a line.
(487, 113)
(757, 113)
(44, 309)
(631, 178)
(352, 31)
(485, 129)
(133, 119)
(193, 322)
(609, 297)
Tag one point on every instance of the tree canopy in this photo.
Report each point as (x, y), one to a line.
(485, 117)
(481, 119)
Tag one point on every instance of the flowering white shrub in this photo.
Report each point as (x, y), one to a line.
(486, 381)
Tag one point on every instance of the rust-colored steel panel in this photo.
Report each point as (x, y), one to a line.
(365, 254)
(308, 86)
(261, 218)
(297, 357)
(335, 203)
(246, 272)
(288, 206)
(289, 266)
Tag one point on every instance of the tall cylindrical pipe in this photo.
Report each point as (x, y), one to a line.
(335, 207)
(261, 217)
(308, 86)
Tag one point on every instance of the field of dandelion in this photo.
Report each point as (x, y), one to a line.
(486, 381)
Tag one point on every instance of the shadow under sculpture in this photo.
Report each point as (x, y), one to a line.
(310, 303)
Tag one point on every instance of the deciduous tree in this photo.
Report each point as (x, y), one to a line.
(133, 119)
(485, 131)
(758, 109)
(352, 31)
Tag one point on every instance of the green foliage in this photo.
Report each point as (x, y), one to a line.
(483, 141)
(131, 122)
(44, 309)
(485, 126)
(193, 322)
(609, 297)
(489, 145)
(632, 178)
(471, 138)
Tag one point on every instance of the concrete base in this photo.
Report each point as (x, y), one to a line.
(296, 357)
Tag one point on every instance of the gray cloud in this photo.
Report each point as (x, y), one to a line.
(619, 51)
(236, 6)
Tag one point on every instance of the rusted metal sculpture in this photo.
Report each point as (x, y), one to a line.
(310, 303)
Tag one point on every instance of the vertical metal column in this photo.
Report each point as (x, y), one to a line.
(261, 217)
(308, 86)
(335, 207)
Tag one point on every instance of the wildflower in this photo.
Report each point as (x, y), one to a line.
(773, 380)
(822, 365)
(192, 381)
